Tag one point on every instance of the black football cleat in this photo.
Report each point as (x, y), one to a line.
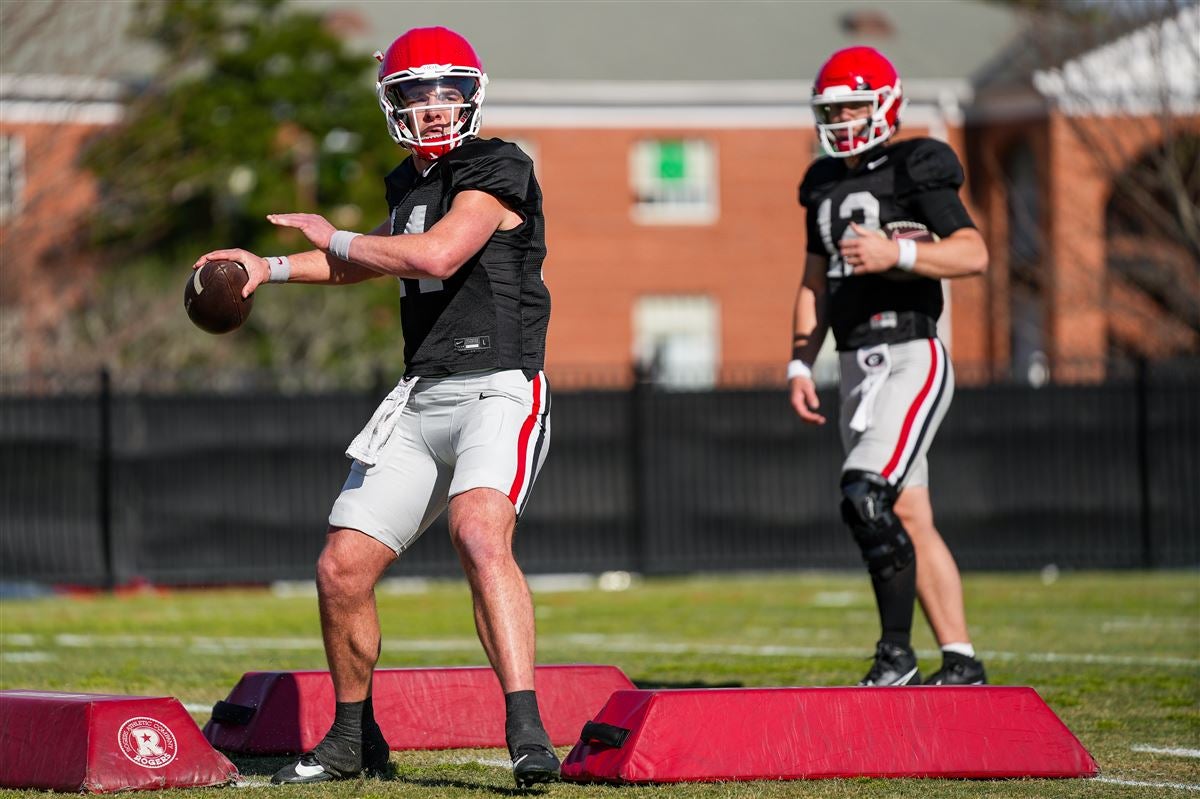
(533, 764)
(306, 770)
(894, 665)
(958, 670)
(372, 760)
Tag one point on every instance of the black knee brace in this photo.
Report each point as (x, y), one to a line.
(867, 500)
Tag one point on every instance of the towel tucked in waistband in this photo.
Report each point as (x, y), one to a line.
(876, 364)
(371, 439)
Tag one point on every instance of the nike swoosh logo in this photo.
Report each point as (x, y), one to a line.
(517, 762)
(873, 164)
(309, 771)
(904, 680)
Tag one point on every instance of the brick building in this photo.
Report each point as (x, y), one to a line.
(670, 141)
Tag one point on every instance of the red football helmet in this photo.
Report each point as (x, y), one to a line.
(430, 89)
(857, 76)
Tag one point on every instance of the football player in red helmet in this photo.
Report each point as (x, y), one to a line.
(885, 227)
(857, 100)
(431, 87)
(467, 428)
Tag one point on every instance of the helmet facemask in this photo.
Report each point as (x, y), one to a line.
(854, 136)
(430, 110)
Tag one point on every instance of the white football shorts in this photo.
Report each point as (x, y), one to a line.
(894, 397)
(483, 429)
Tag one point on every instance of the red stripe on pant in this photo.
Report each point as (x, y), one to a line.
(912, 411)
(523, 441)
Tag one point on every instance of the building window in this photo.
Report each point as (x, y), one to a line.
(12, 176)
(674, 182)
(676, 340)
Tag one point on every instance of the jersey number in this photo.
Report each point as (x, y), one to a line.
(863, 201)
(416, 224)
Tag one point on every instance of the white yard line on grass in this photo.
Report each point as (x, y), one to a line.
(1087, 657)
(486, 761)
(1162, 750)
(1179, 786)
(838, 599)
(1121, 623)
(637, 644)
(633, 644)
(26, 657)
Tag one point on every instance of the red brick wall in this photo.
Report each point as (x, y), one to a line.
(1078, 159)
(750, 260)
(46, 269)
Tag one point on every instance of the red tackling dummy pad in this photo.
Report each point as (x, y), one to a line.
(815, 733)
(100, 743)
(283, 712)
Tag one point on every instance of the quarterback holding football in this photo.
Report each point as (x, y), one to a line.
(467, 428)
(885, 225)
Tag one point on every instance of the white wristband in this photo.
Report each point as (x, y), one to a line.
(908, 254)
(281, 268)
(339, 244)
(798, 368)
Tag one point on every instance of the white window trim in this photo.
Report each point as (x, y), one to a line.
(706, 213)
(13, 177)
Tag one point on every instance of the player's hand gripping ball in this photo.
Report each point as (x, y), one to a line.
(213, 296)
(905, 230)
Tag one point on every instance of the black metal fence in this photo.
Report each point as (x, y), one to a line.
(101, 486)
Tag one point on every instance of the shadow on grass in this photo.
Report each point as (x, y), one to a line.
(249, 766)
(446, 782)
(267, 766)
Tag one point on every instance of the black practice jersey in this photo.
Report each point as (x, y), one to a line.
(493, 312)
(916, 180)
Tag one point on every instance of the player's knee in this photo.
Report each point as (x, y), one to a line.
(868, 501)
(338, 576)
(480, 545)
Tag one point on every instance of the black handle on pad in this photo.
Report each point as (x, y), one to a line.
(230, 713)
(607, 734)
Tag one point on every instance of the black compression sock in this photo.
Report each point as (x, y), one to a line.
(368, 715)
(341, 748)
(523, 722)
(895, 598)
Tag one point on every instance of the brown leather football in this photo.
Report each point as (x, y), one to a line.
(213, 296)
(905, 230)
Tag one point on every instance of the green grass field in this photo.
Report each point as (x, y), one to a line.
(1116, 655)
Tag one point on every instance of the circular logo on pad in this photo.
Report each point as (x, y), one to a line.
(147, 742)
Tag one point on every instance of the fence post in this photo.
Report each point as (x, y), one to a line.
(1142, 401)
(379, 387)
(639, 403)
(104, 479)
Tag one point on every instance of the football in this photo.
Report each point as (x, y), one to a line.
(213, 296)
(905, 230)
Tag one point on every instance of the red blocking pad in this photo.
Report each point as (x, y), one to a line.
(817, 733)
(282, 712)
(101, 743)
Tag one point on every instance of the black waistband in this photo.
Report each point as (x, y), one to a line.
(890, 327)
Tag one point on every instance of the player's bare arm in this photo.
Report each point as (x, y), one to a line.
(961, 254)
(474, 217)
(808, 332)
(312, 266)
